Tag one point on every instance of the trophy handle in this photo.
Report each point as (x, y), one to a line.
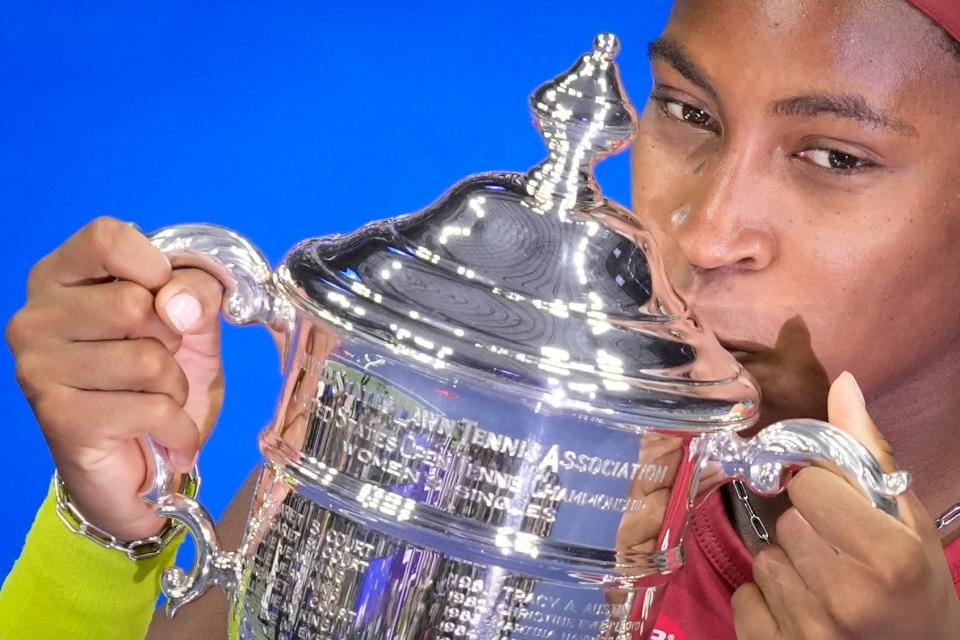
(767, 460)
(250, 296)
(212, 565)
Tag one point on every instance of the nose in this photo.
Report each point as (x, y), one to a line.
(726, 222)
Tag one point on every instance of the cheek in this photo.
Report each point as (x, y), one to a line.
(661, 184)
(884, 302)
(660, 175)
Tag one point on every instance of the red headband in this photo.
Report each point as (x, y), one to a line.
(945, 13)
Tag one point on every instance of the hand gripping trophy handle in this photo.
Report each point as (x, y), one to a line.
(249, 297)
(766, 460)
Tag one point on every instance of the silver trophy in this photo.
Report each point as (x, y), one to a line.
(497, 414)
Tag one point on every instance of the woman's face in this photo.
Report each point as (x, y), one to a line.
(799, 162)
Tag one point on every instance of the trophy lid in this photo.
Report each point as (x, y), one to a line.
(535, 282)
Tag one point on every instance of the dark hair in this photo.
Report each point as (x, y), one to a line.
(950, 43)
(953, 45)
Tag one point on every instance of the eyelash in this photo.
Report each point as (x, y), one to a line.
(664, 103)
(860, 164)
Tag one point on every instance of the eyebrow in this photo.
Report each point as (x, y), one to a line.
(851, 106)
(671, 52)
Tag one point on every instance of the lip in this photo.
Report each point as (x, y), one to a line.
(737, 345)
(740, 349)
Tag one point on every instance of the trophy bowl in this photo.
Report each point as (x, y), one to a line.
(497, 415)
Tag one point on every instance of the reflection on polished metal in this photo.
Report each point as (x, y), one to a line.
(497, 415)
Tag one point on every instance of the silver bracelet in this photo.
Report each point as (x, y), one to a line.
(136, 549)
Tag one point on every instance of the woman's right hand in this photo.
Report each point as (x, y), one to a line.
(112, 345)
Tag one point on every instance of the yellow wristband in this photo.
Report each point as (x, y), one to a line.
(66, 586)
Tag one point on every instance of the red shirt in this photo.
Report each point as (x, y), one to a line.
(697, 602)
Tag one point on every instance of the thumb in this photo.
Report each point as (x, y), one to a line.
(190, 302)
(190, 305)
(847, 411)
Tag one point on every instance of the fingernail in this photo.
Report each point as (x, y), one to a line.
(852, 381)
(184, 311)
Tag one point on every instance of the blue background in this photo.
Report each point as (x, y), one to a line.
(282, 122)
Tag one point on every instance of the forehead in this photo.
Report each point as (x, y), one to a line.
(883, 49)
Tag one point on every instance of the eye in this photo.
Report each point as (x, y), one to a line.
(689, 114)
(834, 160)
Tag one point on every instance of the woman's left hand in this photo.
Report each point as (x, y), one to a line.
(842, 569)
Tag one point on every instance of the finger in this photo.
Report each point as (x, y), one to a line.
(108, 311)
(143, 364)
(639, 528)
(665, 455)
(821, 566)
(847, 411)
(190, 301)
(752, 619)
(840, 514)
(104, 249)
(797, 611)
(88, 418)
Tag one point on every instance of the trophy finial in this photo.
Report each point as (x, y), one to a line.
(583, 115)
(607, 43)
